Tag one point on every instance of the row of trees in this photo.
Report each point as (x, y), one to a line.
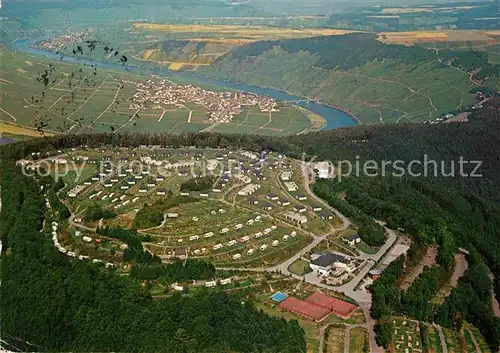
(83, 307)
(95, 213)
(178, 271)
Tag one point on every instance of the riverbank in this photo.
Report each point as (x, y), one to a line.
(335, 117)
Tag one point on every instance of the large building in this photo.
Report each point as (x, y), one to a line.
(249, 189)
(326, 262)
(295, 217)
(323, 170)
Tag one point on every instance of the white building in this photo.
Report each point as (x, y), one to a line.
(295, 217)
(323, 170)
(291, 186)
(249, 189)
(327, 262)
(286, 176)
(351, 239)
(76, 190)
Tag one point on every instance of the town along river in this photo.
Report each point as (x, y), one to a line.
(334, 118)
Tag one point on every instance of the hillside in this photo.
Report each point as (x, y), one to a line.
(376, 82)
(450, 210)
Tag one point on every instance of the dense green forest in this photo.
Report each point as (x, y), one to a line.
(344, 52)
(49, 303)
(178, 271)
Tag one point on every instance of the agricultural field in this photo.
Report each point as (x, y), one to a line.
(455, 341)
(84, 99)
(227, 207)
(456, 36)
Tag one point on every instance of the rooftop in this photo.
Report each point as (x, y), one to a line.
(328, 259)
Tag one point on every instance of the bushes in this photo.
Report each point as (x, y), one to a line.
(177, 271)
(95, 213)
(152, 216)
(369, 231)
(198, 184)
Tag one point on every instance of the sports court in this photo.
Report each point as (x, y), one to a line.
(338, 307)
(311, 311)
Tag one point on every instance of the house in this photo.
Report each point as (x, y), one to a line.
(375, 273)
(299, 208)
(225, 281)
(326, 215)
(249, 189)
(324, 264)
(283, 202)
(210, 284)
(272, 197)
(317, 208)
(161, 192)
(286, 176)
(76, 190)
(295, 217)
(253, 200)
(267, 206)
(291, 186)
(260, 176)
(322, 170)
(180, 252)
(351, 239)
(301, 197)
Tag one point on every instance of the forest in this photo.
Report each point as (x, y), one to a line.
(83, 307)
(343, 52)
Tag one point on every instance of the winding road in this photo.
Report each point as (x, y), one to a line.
(363, 298)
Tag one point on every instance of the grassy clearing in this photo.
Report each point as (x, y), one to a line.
(300, 267)
(334, 339)
(359, 340)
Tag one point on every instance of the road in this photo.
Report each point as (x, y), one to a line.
(441, 338)
(363, 298)
(474, 341)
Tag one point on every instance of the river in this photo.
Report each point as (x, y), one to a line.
(334, 118)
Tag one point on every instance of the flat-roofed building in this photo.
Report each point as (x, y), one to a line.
(249, 189)
(291, 186)
(295, 217)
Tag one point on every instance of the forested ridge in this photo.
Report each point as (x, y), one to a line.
(356, 49)
(344, 52)
(91, 308)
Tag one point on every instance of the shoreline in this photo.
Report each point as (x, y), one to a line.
(325, 110)
(346, 111)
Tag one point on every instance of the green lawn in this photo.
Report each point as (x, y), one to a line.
(300, 267)
(362, 246)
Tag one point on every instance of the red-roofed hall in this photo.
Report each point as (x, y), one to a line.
(304, 308)
(339, 307)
